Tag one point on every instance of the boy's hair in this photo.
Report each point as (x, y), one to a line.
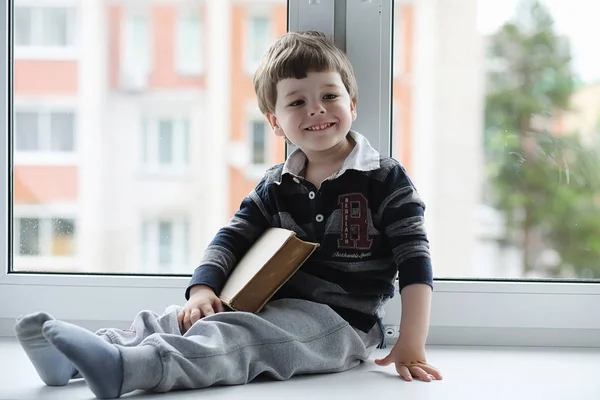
(293, 55)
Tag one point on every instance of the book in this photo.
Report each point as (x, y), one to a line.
(269, 263)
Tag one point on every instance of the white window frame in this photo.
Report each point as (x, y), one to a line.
(134, 76)
(48, 157)
(149, 137)
(47, 213)
(180, 244)
(258, 10)
(70, 52)
(463, 312)
(182, 64)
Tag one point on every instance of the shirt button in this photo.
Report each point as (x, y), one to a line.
(296, 180)
(311, 195)
(319, 218)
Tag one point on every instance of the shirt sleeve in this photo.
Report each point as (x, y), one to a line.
(233, 241)
(402, 212)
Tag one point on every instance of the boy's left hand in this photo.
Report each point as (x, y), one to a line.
(410, 362)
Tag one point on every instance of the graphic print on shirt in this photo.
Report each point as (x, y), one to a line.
(354, 230)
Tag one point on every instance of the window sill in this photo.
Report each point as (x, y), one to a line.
(498, 373)
(46, 53)
(164, 173)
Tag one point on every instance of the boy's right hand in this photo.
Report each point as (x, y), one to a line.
(202, 303)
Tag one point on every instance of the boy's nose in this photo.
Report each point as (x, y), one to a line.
(317, 110)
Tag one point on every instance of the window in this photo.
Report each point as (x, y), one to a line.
(44, 131)
(45, 237)
(165, 144)
(135, 52)
(165, 246)
(258, 40)
(446, 126)
(45, 32)
(188, 46)
(44, 26)
(259, 148)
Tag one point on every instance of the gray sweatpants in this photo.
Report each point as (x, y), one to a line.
(288, 337)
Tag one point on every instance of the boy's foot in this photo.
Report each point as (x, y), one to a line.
(99, 362)
(51, 365)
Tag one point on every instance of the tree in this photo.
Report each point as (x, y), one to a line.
(540, 179)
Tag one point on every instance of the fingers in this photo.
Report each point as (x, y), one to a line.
(424, 372)
(187, 324)
(433, 371)
(180, 321)
(219, 306)
(384, 361)
(404, 372)
(207, 310)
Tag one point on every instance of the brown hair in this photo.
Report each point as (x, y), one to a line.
(293, 55)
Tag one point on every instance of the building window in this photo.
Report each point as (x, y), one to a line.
(44, 26)
(135, 52)
(188, 44)
(259, 150)
(52, 131)
(165, 144)
(258, 40)
(165, 245)
(54, 237)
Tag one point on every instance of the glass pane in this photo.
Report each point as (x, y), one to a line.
(504, 144)
(165, 243)
(62, 132)
(63, 236)
(29, 236)
(23, 27)
(55, 26)
(148, 141)
(165, 142)
(260, 37)
(27, 131)
(258, 142)
(189, 43)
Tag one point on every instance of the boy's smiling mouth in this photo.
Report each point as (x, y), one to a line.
(320, 127)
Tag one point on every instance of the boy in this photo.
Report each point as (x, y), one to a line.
(335, 189)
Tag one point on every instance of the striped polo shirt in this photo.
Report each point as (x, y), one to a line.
(367, 218)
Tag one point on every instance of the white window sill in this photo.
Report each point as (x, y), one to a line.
(46, 53)
(190, 73)
(164, 173)
(493, 373)
(44, 158)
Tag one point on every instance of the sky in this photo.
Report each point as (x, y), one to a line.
(577, 19)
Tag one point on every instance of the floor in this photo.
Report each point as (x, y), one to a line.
(469, 373)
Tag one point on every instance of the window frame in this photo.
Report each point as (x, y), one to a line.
(183, 66)
(468, 312)
(68, 52)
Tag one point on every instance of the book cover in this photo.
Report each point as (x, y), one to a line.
(267, 265)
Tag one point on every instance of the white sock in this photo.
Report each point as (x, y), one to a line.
(51, 365)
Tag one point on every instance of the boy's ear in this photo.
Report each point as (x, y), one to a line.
(275, 125)
(353, 109)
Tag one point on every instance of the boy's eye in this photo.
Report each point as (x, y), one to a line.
(296, 103)
(330, 96)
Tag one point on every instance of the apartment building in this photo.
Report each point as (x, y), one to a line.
(136, 129)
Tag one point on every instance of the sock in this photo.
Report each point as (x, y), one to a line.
(51, 365)
(99, 362)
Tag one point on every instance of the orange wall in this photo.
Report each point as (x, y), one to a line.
(44, 184)
(163, 69)
(45, 77)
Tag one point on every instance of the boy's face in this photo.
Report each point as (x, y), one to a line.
(314, 113)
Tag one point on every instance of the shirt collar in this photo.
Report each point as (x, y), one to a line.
(363, 157)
